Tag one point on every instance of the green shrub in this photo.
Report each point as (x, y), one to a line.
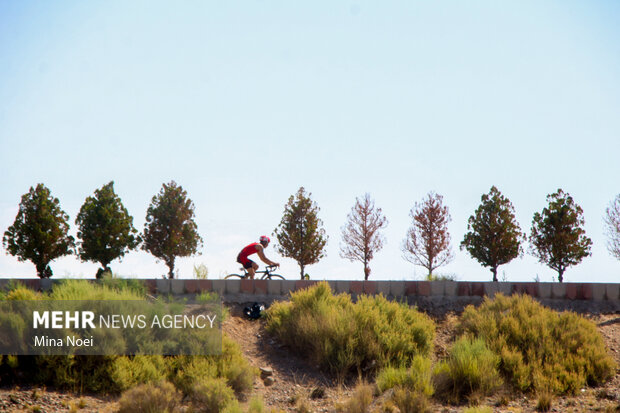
(234, 367)
(128, 372)
(233, 407)
(418, 377)
(113, 374)
(107, 289)
(22, 293)
(470, 368)
(540, 348)
(186, 371)
(211, 395)
(342, 337)
(150, 398)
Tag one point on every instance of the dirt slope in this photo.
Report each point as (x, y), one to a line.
(299, 383)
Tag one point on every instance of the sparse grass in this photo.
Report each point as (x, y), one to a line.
(302, 406)
(82, 403)
(150, 398)
(343, 337)
(207, 297)
(359, 401)
(470, 368)
(410, 401)
(478, 409)
(256, 405)
(540, 348)
(545, 400)
(37, 393)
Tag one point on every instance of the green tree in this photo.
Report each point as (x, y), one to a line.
(494, 236)
(170, 230)
(40, 231)
(300, 234)
(557, 238)
(105, 229)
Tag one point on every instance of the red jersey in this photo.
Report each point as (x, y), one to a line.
(249, 250)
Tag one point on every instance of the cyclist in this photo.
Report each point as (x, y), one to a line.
(258, 248)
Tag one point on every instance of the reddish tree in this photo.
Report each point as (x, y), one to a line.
(612, 220)
(360, 235)
(428, 241)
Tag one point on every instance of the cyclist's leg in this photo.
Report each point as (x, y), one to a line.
(252, 269)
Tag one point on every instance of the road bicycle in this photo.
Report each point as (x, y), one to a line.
(268, 274)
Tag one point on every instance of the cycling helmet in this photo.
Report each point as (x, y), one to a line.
(264, 238)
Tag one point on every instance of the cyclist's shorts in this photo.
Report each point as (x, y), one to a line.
(247, 263)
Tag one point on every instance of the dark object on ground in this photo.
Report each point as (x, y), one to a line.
(254, 312)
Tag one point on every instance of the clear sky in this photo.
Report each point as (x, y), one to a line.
(243, 102)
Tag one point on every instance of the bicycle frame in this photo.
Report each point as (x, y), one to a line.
(268, 274)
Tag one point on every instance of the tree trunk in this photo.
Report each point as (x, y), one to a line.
(43, 270)
(366, 270)
(301, 267)
(561, 274)
(102, 271)
(170, 265)
(40, 270)
(494, 271)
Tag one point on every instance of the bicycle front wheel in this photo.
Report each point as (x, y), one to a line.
(275, 277)
(234, 277)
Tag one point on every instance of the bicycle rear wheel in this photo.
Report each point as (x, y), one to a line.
(234, 277)
(275, 277)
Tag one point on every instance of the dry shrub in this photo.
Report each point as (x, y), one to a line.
(211, 396)
(409, 401)
(545, 400)
(540, 348)
(150, 398)
(343, 337)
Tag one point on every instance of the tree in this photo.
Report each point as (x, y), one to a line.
(40, 231)
(612, 221)
(557, 238)
(428, 241)
(494, 236)
(300, 234)
(170, 230)
(105, 229)
(361, 235)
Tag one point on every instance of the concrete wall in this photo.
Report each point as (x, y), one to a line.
(431, 296)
